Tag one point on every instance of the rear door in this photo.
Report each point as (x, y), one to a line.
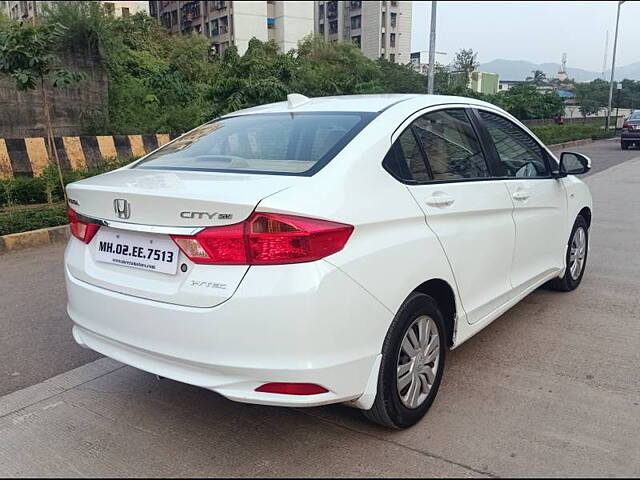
(540, 205)
(470, 213)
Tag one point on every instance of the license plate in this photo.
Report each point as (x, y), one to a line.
(135, 250)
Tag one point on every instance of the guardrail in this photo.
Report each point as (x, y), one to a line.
(29, 156)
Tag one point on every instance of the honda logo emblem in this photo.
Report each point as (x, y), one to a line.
(122, 208)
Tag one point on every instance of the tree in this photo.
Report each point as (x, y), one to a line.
(465, 60)
(26, 55)
(539, 78)
(588, 107)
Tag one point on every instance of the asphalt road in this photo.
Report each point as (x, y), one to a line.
(551, 388)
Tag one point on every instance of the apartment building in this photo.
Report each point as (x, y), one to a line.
(236, 22)
(22, 10)
(380, 28)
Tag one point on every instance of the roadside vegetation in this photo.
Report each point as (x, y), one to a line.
(161, 83)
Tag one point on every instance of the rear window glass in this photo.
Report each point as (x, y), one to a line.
(635, 116)
(278, 143)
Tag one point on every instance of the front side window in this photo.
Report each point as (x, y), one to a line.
(277, 143)
(451, 145)
(520, 155)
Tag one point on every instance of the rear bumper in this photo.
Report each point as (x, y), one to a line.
(295, 323)
(635, 135)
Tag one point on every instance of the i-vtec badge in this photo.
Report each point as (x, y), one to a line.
(210, 216)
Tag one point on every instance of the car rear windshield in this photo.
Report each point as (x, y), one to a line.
(635, 116)
(273, 143)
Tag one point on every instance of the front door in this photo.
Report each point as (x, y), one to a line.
(540, 206)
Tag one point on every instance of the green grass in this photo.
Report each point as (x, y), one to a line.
(552, 134)
(16, 221)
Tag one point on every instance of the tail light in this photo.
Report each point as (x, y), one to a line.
(625, 126)
(266, 239)
(81, 230)
(292, 388)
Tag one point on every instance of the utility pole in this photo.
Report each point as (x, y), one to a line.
(613, 66)
(432, 47)
(619, 87)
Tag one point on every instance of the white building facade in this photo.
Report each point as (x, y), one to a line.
(237, 22)
(380, 28)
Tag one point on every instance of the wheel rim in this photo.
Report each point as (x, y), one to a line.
(418, 361)
(577, 253)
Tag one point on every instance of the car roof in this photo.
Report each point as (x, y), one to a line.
(357, 103)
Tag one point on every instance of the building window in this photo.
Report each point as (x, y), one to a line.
(394, 3)
(207, 29)
(219, 5)
(125, 12)
(332, 9)
(174, 18)
(214, 27)
(382, 40)
(357, 41)
(321, 29)
(356, 4)
(392, 57)
(333, 26)
(271, 23)
(394, 19)
(321, 12)
(109, 7)
(356, 22)
(392, 40)
(224, 25)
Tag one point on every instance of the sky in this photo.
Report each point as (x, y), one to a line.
(537, 31)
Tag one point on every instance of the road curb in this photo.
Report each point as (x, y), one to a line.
(574, 143)
(34, 238)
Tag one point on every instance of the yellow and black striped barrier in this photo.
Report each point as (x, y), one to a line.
(29, 156)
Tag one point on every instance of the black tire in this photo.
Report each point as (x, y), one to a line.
(624, 145)
(566, 283)
(388, 409)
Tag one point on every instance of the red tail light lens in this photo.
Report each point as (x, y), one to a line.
(81, 230)
(266, 239)
(625, 126)
(292, 388)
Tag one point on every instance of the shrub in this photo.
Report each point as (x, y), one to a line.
(32, 219)
(552, 134)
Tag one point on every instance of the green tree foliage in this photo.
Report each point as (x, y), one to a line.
(538, 78)
(172, 83)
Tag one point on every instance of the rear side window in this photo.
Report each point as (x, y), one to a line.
(520, 155)
(278, 143)
(409, 151)
(451, 145)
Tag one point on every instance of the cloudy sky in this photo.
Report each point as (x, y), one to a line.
(535, 31)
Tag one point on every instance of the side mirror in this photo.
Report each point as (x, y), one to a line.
(572, 163)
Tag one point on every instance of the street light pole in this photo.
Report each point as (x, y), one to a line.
(613, 65)
(432, 47)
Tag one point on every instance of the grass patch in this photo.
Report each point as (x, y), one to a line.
(17, 221)
(552, 134)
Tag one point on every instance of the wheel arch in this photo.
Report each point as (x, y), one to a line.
(445, 297)
(586, 214)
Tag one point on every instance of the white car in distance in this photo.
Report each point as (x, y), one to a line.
(323, 250)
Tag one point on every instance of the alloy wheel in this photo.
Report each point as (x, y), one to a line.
(578, 253)
(418, 361)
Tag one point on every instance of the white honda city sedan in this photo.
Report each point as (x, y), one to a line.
(323, 250)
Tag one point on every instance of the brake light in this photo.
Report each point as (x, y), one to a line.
(292, 388)
(625, 126)
(266, 239)
(81, 230)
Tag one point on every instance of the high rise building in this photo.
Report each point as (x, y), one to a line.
(236, 22)
(22, 10)
(380, 28)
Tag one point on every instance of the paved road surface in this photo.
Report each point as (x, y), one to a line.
(550, 388)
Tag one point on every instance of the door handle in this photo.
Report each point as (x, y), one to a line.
(439, 201)
(520, 195)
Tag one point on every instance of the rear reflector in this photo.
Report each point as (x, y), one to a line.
(292, 388)
(266, 239)
(81, 230)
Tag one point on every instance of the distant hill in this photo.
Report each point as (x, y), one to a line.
(521, 69)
